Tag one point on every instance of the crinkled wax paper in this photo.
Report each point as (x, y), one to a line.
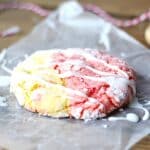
(69, 26)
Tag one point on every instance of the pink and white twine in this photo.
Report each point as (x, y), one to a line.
(118, 22)
(88, 7)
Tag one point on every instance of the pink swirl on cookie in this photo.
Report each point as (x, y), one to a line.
(96, 83)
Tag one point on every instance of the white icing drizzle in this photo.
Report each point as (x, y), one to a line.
(80, 64)
(78, 67)
(132, 117)
(146, 104)
(87, 55)
(105, 126)
(136, 104)
(99, 72)
(146, 114)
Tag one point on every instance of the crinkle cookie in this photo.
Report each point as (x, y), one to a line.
(78, 83)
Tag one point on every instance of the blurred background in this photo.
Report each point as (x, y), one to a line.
(122, 9)
(118, 8)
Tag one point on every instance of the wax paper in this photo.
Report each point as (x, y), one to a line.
(68, 27)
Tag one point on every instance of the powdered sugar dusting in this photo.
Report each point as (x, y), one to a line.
(132, 117)
(136, 104)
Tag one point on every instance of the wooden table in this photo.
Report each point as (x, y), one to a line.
(27, 20)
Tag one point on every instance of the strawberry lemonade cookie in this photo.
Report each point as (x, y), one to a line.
(78, 83)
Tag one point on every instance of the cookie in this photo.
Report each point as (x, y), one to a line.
(78, 83)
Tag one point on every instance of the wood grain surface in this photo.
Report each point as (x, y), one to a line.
(118, 8)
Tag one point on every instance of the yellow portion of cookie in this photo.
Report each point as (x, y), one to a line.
(40, 86)
(50, 100)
